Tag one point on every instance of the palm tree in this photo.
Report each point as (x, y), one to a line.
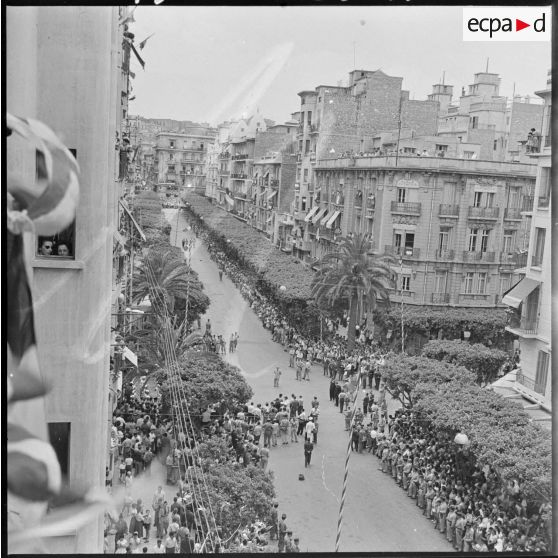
(165, 277)
(352, 273)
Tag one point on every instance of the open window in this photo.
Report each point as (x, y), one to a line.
(61, 245)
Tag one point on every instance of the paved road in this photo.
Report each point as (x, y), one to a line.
(378, 515)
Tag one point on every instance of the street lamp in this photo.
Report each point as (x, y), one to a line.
(466, 335)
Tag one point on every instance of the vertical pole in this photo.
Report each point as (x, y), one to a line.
(398, 131)
(402, 325)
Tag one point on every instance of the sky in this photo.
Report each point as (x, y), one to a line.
(214, 63)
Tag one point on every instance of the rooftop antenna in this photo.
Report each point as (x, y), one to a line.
(443, 77)
(487, 64)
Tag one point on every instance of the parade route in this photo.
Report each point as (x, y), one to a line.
(378, 516)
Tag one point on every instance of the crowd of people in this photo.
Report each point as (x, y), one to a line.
(468, 504)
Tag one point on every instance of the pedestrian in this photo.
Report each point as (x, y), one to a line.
(284, 429)
(342, 396)
(298, 365)
(282, 528)
(294, 427)
(264, 458)
(268, 433)
(231, 343)
(147, 521)
(291, 356)
(309, 429)
(274, 432)
(220, 275)
(274, 522)
(308, 447)
(307, 366)
(276, 376)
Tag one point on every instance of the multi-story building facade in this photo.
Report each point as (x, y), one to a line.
(181, 157)
(530, 300)
(82, 47)
(484, 117)
(455, 225)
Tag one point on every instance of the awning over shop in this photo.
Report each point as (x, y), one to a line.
(331, 220)
(311, 213)
(130, 356)
(318, 215)
(518, 293)
(128, 212)
(325, 218)
(271, 195)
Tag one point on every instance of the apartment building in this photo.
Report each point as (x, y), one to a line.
(82, 47)
(456, 226)
(181, 157)
(530, 300)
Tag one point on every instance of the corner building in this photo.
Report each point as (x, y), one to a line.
(456, 226)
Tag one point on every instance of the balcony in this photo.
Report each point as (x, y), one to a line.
(225, 155)
(475, 298)
(239, 175)
(448, 210)
(407, 208)
(522, 325)
(515, 259)
(370, 212)
(528, 202)
(240, 196)
(445, 255)
(484, 212)
(478, 256)
(274, 182)
(313, 128)
(529, 383)
(240, 157)
(512, 214)
(405, 252)
(440, 298)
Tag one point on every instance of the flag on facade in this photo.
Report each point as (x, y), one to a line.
(142, 44)
(140, 60)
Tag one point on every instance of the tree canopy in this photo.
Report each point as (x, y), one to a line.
(207, 380)
(484, 361)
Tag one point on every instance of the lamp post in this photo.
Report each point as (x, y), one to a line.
(402, 323)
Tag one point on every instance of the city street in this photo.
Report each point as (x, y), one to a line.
(378, 515)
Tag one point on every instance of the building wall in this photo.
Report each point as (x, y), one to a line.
(427, 186)
(523, 117)
(420, 116)
(79, 45)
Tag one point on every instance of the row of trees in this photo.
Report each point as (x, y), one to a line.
(238, 495)
(500, 431)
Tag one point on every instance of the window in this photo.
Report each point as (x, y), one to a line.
(405, 282)
(171, 157)
(303, 204)
(477, 199)
(505, 282)
(397, 241)
(171, 168)
(309, 117)
(484, 240)
(468, 154)
(305, 175)
(307, 147)
(473, 234)
(508, 244)
(544, 187)
(441, 147)
(542, 372)
(410, 242)
(440, 281)
(469, 278)
(513, 198)
(401, 195)
(483, 199)
(475, 122)
(300, 146)
(443, 240)
(59, 436)
(481, 283)
(495, 145)
(171, 142)
(538, 251)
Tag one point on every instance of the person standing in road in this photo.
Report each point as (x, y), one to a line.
(274, 522)
(231, 343)
(308, 447)
(282, 532)
(264, 458)
(220, 275)
(276, 376)
(307, 366)
(294, 427)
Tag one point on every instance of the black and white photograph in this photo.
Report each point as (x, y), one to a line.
(277, 279)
